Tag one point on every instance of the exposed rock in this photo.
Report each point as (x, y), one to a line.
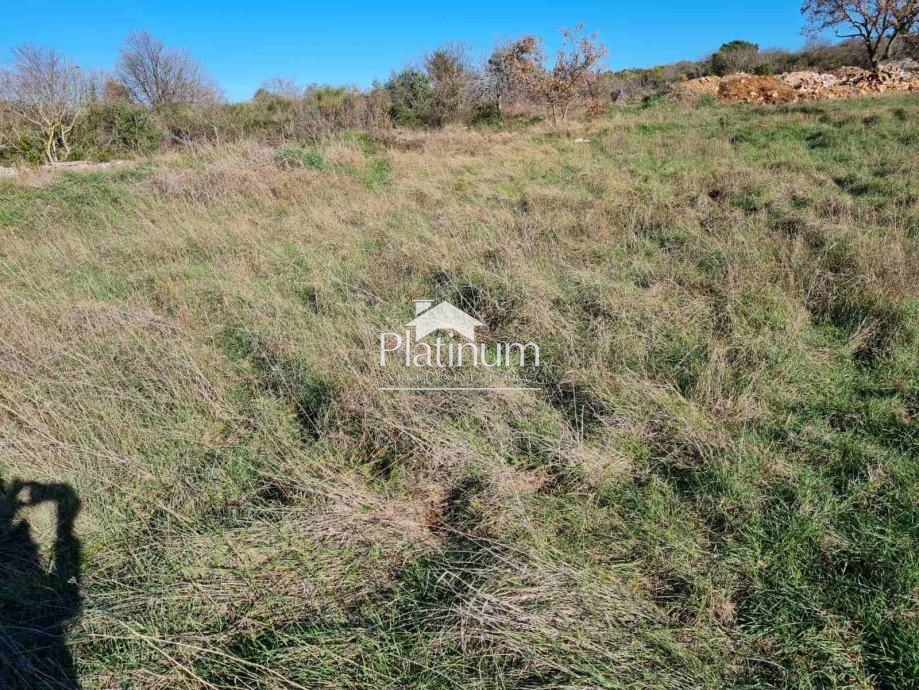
(844, 82)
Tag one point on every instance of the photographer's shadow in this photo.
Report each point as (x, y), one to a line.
(39, 597)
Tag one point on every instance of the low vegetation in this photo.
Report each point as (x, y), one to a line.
(715, 487)
(161, 98)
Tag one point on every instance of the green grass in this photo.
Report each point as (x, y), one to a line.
(717, 486)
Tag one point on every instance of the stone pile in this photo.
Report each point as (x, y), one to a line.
(845, 82)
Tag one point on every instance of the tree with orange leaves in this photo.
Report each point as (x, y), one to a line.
(570, 79)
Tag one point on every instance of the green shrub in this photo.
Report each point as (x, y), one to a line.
(707, 100)
(25, 147)
(267, 117)
(180, 124)
(488, 114)
(735, 56)
(276, 118)
(652, 100)
(295, 157)
(411, 98)
(115, 129)
(447, 73)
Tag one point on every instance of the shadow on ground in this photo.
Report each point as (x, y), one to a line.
(39, 597)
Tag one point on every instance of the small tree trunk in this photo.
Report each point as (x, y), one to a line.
(65, 133)
(872, 50)
(50, 153)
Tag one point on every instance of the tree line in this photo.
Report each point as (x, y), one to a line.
(51, 109)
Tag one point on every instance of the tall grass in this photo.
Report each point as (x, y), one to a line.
(716, 487)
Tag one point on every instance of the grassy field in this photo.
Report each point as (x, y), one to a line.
(717, 486)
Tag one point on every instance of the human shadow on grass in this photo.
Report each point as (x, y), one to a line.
(39, 597)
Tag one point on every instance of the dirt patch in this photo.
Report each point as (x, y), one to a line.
(748, 88)
(85, 166)
(703, 86)
(41, 176)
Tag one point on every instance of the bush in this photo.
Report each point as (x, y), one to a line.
(267, 117)
(182, 124)
(631, 84)
(293, 158)
(707, 100)
(736, 56)
(116, 129)
(25, 147)
(825, 57)
(329, 109)
(309, 116)
(448, 75)
(411, 98)
(488, 114)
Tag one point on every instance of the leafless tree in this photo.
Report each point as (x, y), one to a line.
(42, 93)
(155, 75)
(284, 87)
(875, 22)
(490, 83)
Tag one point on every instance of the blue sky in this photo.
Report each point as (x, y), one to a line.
(243, 44)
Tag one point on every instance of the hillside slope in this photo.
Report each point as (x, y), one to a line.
(716, 485)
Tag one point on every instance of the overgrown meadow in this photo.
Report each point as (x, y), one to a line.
(717, 485)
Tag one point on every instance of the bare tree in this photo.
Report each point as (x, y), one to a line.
(155, 75)
(283, 87)
(875, 22)
(492, 83)
(572, 77)
(43, 93)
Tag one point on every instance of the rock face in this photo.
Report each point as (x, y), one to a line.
(845, 82)
(7, 172)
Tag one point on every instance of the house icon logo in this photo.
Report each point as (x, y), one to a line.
(428, 356)
(443, 317)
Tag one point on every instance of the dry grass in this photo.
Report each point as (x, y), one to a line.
(715, 487)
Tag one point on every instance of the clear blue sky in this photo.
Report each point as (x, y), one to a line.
(245, 43)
